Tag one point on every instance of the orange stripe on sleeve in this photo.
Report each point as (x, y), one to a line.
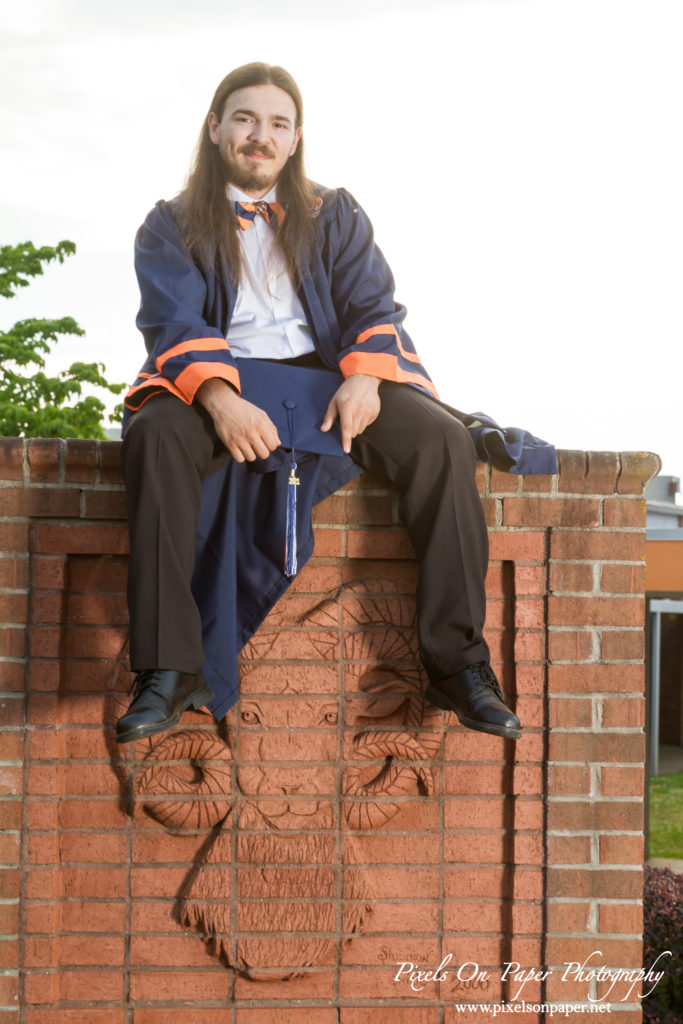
(195, 345)
(384, 365)
(387, 329)
(135, 396)
(196, 373)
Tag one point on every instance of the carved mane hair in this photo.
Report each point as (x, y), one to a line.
(208, 220)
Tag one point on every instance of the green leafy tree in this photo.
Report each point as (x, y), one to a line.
(33, 404)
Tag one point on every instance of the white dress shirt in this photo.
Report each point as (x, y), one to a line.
(269, 321)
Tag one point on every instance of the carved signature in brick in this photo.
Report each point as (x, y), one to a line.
(299, 779)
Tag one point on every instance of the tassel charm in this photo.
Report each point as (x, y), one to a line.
(292, 484)
(290, 537)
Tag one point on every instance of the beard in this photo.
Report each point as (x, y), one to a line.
(250, 179)
(281, 883)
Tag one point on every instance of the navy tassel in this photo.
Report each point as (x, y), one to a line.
(292, 484)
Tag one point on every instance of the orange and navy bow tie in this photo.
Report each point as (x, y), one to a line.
(272, 212)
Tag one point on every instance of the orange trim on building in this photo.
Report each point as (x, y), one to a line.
(664, 565)
(382, 364)
(194, 345)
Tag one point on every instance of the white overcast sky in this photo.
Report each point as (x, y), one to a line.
(540, 141)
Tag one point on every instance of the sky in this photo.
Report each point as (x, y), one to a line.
(521, 161)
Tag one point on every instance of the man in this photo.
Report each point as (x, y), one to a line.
(254, 261)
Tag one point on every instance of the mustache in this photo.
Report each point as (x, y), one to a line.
(249, 150)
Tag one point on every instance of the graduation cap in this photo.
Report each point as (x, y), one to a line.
(296, 400)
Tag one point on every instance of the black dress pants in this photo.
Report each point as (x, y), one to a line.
(416, 444)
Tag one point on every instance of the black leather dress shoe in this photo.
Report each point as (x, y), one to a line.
(160, 695)
(475, 696)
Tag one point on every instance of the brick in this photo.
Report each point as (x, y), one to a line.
(13, 537)
(10, 778)
(603, 815)
(179, 951)
(105, 505)
(109, 462)
(11, 814)
(102, 813)
(529, 580)
(93, 848)
(623, 644)
(622, 579)
(595, 678)
(49, 572)
(569, 850)
(568, 780)
(609, 883)
(11, 711)
(491, 508)
(494, 882)
(150, 883)
(370, 510)
(13, 675)
(618, 780)
(388, 1015)
(621, 952)
(301, 1015)
(186, 985)
(517, 546)
(587, 611)
(596, 747)
(329, 543)
(533, 483)
(620, 919)
(378, 543)
(40, 501)
(168, 1015)
(53, 1015)
(81, 539)
(599, 545)
(616, 849)
(571, 713)
(13, 573)
(636, 469)
(551, 511)
(105, 573)
(11, 458)
(12, 642)
(568, 917)
(465, 848)
(80, 460)
(623, 713)
(587, 472)
(9, 847)
(44, 457)
(624, 512)
(571, 576)
(93, 882)
(504, 483)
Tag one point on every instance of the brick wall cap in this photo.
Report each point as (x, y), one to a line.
(589, 472)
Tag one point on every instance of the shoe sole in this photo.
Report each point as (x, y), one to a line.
(196, 700)
(440, 700)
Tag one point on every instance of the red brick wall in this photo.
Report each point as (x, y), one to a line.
(279, 866)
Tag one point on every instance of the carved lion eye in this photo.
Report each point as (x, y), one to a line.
(331, 717)
(250, 717)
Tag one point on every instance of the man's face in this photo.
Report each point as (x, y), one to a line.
(256, 136)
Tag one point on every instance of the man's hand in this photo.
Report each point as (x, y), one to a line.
(357, 404)
(245, 430)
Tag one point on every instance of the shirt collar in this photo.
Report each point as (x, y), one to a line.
(235, 195)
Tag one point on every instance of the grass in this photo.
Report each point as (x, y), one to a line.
(666, 816)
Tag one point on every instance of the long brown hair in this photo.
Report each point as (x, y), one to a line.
(208, 219)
